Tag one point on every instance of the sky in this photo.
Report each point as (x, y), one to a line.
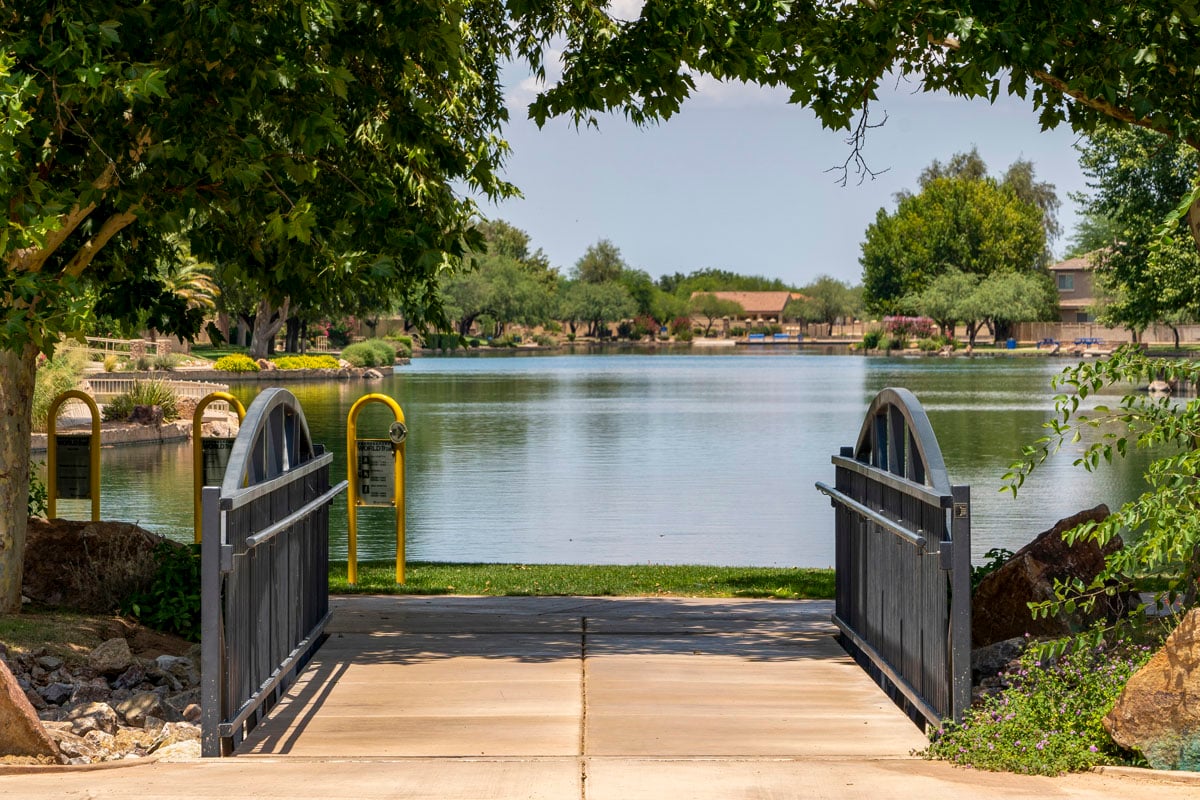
(739, 179)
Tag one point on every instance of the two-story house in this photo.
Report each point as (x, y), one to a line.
(1076, 294)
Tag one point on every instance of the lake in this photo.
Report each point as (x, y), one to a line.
(651, 458)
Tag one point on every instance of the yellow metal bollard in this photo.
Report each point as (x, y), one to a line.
(52, 453)
(198, 452)
(358, 496)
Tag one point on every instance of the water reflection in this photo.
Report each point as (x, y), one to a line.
(662, 458)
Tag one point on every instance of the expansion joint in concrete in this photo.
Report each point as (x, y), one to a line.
(583, 707)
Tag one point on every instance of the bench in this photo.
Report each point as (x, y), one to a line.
(1048, 342)
(1089, 341)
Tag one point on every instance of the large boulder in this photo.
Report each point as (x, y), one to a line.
(1000, 606)
(111, 657)
(1158, 712)
(21, 732)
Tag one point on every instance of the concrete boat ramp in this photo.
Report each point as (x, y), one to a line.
(589, 698)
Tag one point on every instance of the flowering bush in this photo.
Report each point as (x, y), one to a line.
(306, 362)
(1048, 719)
(236, 362)
(909, 327)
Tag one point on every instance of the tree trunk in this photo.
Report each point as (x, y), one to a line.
(17, 374)
(267, 323)
(293, 335)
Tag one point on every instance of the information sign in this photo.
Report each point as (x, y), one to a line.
(376, 472)
(74, 469)
(216, 457)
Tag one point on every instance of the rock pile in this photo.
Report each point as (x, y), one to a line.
(113, 705)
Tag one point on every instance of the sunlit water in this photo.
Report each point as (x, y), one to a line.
(651, 458)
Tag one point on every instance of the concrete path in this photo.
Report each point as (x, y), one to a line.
(587, 698)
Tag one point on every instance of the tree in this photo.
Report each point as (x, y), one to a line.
(972, 225)
(828, 300)
(596, 304)
(720, 280)
(947, 300)
(600, 263)
(504, 281)
(301, 142)
(713, 308)
(1135, 179)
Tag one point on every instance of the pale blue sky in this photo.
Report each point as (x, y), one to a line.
(738, 180)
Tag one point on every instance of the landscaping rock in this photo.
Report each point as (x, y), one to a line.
(75, 749)
(1158, 712)
(136, 709)
(1000, 606)
(146, 415)
(372, 375)
(988, 662)
(111, 657)
(21, 732)
(92, 717)
(56, 693)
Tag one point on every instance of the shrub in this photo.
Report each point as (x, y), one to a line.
(143, 393)
(931, 344)
(171, 602)
(403, 344)
(55, 376)
(167, 361)
(1048, 718)
(39, 496)
(236, 362)
(870, 340)
(306, 362)
(371, 353)
(685, 335)
(544, 340)
(144, 363)
(111, 362)
(996, 558)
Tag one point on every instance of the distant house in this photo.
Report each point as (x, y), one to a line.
(759, 306)
(1076, 293)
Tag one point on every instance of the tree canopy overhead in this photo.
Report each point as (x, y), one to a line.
(1086, 63)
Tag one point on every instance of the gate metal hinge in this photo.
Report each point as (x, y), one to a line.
(946, 555)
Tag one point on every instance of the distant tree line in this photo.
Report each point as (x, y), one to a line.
(507, 282)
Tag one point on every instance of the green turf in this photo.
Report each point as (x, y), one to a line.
(378, 577)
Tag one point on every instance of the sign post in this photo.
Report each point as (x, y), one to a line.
(375, 469)
(78, 468)
(209, 456)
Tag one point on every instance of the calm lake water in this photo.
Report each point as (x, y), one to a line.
(662, 458)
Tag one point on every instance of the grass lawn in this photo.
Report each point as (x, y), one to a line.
(654, 580)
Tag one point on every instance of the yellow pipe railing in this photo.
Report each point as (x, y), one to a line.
(52, 453)
(397, 433)
(198, 450)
